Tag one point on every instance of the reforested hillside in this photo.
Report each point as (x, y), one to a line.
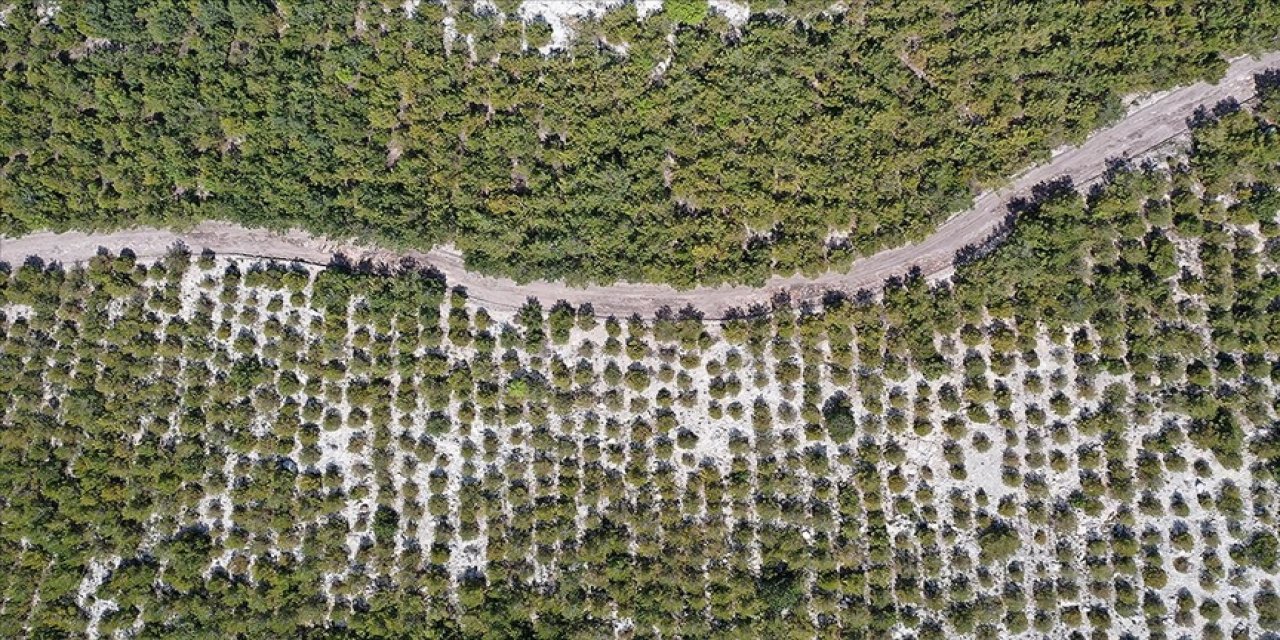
(675, 148)
(1075, 437)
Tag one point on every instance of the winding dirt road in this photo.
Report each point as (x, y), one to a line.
(1147, 126)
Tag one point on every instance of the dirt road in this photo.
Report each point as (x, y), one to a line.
(1147, 126)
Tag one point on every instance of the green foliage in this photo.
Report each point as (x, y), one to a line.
(998, 540)
(781, 588)
(1266, 446)
(386, 521)
(838, 414)
(687, 12)
(1221, 434)
(1268, 84)
(1261, 550)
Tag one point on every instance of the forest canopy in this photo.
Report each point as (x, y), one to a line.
(1075, 436)
(676, 148)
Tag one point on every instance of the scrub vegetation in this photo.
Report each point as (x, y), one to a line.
(672, 148)
(1074, 436)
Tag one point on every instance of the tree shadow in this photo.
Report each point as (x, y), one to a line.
(1017, 207)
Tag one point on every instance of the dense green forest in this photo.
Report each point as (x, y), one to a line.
(794, 142)
(1076, 436)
